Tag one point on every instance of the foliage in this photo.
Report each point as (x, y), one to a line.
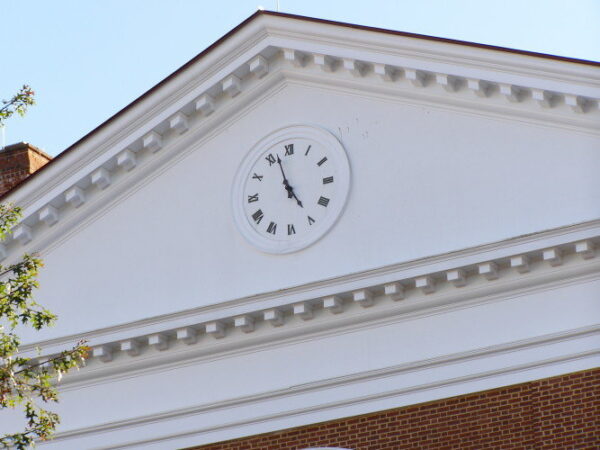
(17, 104)
(24, 381)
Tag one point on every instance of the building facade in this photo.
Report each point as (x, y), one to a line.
(317, 234)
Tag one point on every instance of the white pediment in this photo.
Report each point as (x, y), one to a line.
(465, 257)
(444, 142)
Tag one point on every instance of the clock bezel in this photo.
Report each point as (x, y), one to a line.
(339, 157)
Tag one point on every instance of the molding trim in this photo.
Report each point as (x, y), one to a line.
(256, 323)
(433, 388)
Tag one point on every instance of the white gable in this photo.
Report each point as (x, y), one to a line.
(460, 157)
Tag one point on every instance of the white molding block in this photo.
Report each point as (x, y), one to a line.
(577, 103)
(103, 353)
(325, 62)
(521, 263)
(553, 256)
(205, 104)
(179, 122)
(22, 233)
(244, 323)
(355, 67)
(274, 317)
(48, 215)
(101, 178)
(545, 99)
(187, 335)
(450, 83)
(394, 290)
(334, 304)
(303, 310)
(426, 284)
(480, 88)
(152, 141)
(259, 66)
(232, 85)
(585, 249)
(75, 196)
(512, 93)
(416, 77)
(488, 270)
(131, 347)
(363, 297)
(126, 160)
(298, 59)
(385, 72)
(158, 341)
(216, 329)
(457, 277)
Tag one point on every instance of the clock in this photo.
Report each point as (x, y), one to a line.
(290, 189)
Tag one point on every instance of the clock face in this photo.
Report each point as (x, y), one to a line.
(291, 189)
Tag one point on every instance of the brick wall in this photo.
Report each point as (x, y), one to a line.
(17, 162)
(555, 413)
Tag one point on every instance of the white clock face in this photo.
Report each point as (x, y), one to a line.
(291, 188)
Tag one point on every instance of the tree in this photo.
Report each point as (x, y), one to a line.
(24, 382)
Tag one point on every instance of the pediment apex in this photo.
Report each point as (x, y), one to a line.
(269, 47)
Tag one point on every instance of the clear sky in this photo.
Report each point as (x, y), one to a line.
(88, 59)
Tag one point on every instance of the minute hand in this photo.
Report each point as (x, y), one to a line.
(288, 188)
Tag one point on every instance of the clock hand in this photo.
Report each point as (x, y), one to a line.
(286, 184)
(291, 193)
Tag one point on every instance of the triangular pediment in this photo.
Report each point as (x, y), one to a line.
(462, 253)
(156, 179)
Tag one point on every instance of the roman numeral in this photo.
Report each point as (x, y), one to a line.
(291, 229)
(323, 201)
(258, 216)
(271, 159)
(272, 228)
(310, 220)
(289, 149)
(320, 163)
(327, 180)
(257, 177)
(307, 150)
(252, 198)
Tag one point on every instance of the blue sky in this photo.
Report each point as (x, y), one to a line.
(88, 59)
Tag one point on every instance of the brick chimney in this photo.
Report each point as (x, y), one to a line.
(17, 162)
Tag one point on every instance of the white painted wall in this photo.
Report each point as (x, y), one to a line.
(424, 181)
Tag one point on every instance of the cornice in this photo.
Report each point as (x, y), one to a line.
(424, 287)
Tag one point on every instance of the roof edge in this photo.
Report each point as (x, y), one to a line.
(433, 38)
(251, 18)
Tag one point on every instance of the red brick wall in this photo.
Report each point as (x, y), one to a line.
(17, 162)
(555, 413)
